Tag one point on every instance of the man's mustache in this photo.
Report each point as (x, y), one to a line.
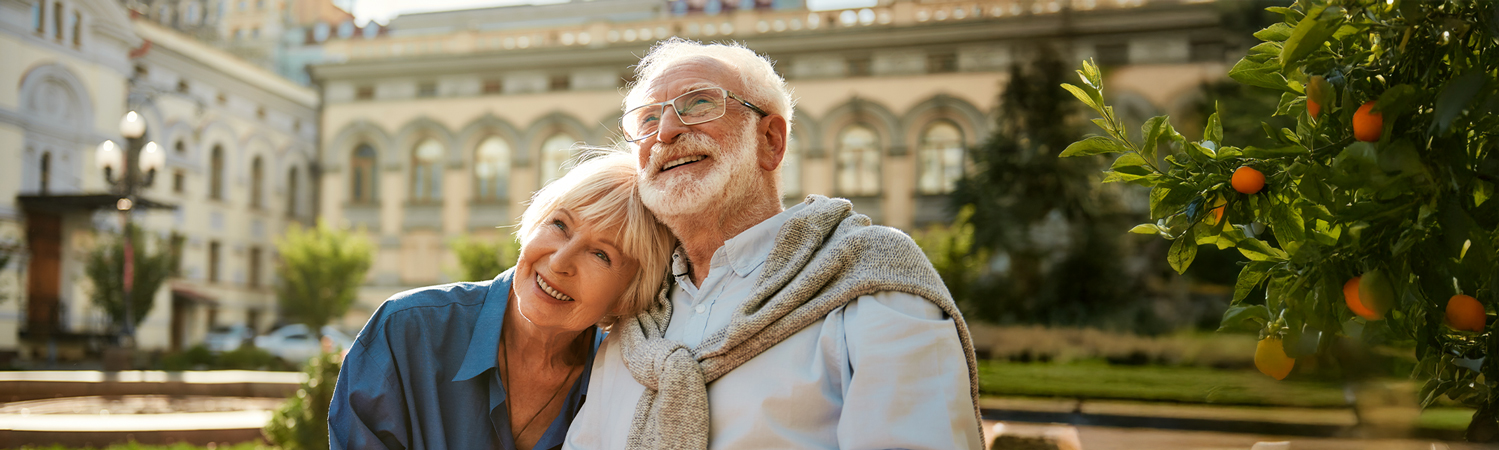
(688, 144)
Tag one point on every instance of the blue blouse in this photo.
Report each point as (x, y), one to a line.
(422, 375)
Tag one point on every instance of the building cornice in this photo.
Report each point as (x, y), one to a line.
(226, 64)
(1067, 25)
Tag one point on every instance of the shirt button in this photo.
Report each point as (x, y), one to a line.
(701, 308)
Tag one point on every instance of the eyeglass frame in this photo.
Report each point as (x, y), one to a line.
(671, 103)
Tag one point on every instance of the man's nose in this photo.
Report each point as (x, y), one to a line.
(671, 126)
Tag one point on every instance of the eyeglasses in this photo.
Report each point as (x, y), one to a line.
(695, 107)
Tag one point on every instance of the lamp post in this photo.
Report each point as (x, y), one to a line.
(124, 169)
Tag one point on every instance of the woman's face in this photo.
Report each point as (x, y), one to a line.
(571, 273)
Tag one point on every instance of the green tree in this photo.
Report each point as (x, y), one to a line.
(1044, 215)
(320, 272)
(952, 252)
(302, 422)
(1401, 202)
(480, 260)
(104, 267)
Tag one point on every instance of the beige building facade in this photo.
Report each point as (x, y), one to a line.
(64, 74)
(429, 136)
(239, 144)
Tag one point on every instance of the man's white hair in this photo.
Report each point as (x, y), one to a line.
(763, 86)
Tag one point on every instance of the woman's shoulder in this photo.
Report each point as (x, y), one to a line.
(428, 306)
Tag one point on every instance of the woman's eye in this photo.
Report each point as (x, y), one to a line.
(558, 223)
(602, 256)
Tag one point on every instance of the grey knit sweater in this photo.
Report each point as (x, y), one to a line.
(824, 257)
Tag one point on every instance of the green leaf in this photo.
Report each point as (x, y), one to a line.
(1245, 318)
(1249, 278)
(1308, 35)
(1166, 201)
(1278, 31)
(1153, 128)
(1091, 75)
(1214, 129)
(1183, 251)
(1131, 163)
(1287, 104)
(1262, 74)
(1397, 100)
(1094, 145)
(1286, 222)
(1147, 228)
(1455, 97)
(1257, 250)
(1117, 177)
(1082, 96)
(1277, 152)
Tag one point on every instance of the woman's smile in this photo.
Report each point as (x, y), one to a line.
(547, 287)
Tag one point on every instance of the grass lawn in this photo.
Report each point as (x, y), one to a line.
(1099, 380)
(135, 446)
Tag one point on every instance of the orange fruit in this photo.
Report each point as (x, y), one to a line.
(1376, 292)
(1247, 180)
(1367, 124)
(1270, 357)
(1217, 211)
(1350, 296)
(1318, 92)
(1465, 313)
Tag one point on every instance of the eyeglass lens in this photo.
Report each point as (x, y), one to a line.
(692, 108)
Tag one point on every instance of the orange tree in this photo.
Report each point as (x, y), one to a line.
(1383, 186)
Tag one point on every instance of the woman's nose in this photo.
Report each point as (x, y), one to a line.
(565, 261)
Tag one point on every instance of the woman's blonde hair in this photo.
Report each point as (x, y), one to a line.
(601, 189)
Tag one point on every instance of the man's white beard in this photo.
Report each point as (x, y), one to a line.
(732, 175)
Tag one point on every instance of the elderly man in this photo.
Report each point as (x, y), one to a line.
(802, 328)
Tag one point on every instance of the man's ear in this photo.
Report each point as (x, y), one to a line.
(773, 135)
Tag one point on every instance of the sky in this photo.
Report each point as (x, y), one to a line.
(383, 10)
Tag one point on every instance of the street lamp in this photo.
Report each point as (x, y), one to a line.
(117, 164)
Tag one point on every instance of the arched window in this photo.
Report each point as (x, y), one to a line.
(257, 182)
(858, 162)
(362, 175)
(46, 170)
(940, 159)
(791, 169)
(426, 171)
(216, 173)
(491, 167)
(291, 192)
(555, 152)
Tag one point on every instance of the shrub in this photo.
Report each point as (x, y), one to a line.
(302, 423)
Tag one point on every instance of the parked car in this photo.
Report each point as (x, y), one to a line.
(295, 343)
(227, 338)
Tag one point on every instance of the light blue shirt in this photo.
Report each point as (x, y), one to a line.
(885, 371)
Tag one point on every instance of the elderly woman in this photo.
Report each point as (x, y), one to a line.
(504, 363)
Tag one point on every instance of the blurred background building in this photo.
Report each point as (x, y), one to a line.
(439, 125)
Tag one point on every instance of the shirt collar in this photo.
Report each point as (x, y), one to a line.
(484, 347)
(744, 252)
(749, 249)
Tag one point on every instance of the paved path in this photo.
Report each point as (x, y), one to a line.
(1068, 437)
